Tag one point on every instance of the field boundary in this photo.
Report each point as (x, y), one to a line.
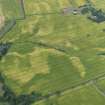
(22, 10)
(7, 27)
(21, 2)
(98, 88)
(60, 92)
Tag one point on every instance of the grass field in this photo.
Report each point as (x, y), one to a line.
(79, 96)
(28, 58)
(11, 8)
(52, 52)
(45, 6)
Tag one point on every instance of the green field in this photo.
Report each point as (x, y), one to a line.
(79, 96)
(11, 8)
(57, 55)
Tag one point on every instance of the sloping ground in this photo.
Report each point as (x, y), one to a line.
(52, 53)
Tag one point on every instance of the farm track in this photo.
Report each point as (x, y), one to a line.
(22, 8)
(76, 86)
(98, 88)
(45, 45)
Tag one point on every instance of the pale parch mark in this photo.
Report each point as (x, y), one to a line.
(30, 26)
(76, 62)
(34, 63)
(64, 3)
(14, 72)
(13, 54)
(16, 54)
(20, 77)
(37, 7)
(38, 61)
(46, 6)
(69, 44)
(33, 6)
(100, 53)
(62, 43)
(100, 49)
(39, 57)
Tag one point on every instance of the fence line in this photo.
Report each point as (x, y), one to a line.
(8, 26)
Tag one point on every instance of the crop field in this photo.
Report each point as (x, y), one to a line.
(56, 54)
